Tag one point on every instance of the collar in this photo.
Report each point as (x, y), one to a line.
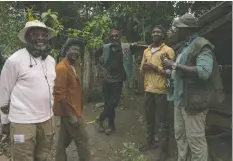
(189, 39)
(69, 66)
(67, 63)
(162, 45)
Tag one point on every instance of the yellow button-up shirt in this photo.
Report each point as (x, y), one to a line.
(154, 81)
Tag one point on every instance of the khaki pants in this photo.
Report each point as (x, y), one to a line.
(190, 135)
(67, 133)
(31, 141)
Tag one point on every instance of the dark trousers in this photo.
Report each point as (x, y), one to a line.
(67, 133)
(112, 93)
(156, 105)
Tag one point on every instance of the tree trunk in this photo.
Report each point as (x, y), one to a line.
(86, 76)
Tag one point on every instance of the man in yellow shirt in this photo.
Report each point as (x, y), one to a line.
(155, 80)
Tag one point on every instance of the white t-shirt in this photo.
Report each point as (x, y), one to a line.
(154, 49)
(29, 89)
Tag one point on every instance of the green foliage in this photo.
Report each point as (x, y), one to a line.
(95, 31)
(131, 153)
(51, 19)
(12, 20)
(93, 20)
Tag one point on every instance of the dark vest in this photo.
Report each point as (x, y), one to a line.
(199, 94)
(127, 58)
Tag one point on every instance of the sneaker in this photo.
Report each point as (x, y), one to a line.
(148, 146)
(109, 131)
(100, 126)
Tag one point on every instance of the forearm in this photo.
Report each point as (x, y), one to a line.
(188, 70)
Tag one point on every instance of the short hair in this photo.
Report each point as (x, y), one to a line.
(164, 31)
(72, 41)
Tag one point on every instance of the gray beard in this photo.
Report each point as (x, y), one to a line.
(37, 51)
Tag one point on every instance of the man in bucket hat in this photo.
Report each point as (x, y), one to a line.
(194, 73)
(68, 102)
(27, 81)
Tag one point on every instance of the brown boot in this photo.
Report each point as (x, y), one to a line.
(100, 126)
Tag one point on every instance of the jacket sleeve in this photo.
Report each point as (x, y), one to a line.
(60, 87)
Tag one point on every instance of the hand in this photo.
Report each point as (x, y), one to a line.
(134, 44)
(167, 64)
(149, 66)
(74, 120)
(5, 109)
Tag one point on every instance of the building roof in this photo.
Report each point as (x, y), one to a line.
(210, 20)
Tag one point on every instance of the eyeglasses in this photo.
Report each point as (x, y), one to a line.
(38, 35)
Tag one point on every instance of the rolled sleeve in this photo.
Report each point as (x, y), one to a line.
(204, 63)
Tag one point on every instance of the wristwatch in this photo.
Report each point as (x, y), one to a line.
(174, 65)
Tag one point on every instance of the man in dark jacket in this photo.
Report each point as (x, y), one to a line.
(117, 62)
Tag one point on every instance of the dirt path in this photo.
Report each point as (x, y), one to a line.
(129, 128)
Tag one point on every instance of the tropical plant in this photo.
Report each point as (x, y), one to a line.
(131, 153)
(95, 31)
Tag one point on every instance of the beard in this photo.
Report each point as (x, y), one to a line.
(37, 49)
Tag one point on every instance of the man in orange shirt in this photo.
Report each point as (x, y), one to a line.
(68, 103)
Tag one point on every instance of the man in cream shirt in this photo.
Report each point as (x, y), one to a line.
(26, 87)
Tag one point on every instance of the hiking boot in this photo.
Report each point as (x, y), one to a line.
(148, 146)
(100, 126)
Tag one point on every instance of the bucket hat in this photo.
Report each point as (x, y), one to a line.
(187, 20)
(32, 24)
